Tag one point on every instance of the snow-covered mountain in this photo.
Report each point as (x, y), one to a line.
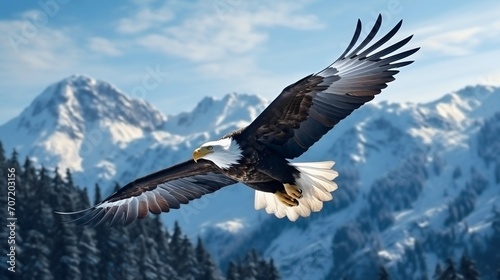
(217, 116)
(84, 125)
(418, 182)
(104, 137)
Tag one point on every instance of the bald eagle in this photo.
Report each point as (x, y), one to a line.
(258, 155)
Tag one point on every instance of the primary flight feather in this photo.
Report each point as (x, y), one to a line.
(258, 155)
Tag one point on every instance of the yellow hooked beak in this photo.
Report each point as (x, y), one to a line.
(201, 152)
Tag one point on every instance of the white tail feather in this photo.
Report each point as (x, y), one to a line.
(315, 181)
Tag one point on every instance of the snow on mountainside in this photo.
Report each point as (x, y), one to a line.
(217, 116)
(81, 124)
(417, 182)
(91, 127)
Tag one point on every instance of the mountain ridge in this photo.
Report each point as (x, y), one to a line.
(398, 166)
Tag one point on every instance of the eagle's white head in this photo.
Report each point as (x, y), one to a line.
(224, 152)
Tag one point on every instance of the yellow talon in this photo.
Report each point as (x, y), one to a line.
(286, 199)
(293, 191)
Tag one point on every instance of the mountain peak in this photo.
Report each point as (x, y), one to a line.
(79, 79)
(68, 87)
(479, 93)
(210, 113)
(478, 101)
(476, 91)
(230, 99)
(72, 117)
(82, 99)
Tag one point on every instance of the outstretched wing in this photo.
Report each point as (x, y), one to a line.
(158, 192)
(308, 109)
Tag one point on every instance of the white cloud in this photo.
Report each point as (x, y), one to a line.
(34, 54)
(223, 40)
(460, 41)
(458, 35)
(425, 82)
(35, 46)
(103, 45)
(145, 18)
(212, 35)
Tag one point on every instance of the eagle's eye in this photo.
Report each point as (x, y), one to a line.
(210, 148)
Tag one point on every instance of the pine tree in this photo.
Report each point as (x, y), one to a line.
(25, 177)
(186, 264)
(266, 271)
(249, 270)
(69, 178)
(97, 195)
(148, 258)
(57, 181)
(14, 162)
(106, 256)
(56, 192)
(208, 270)
(43, 220)
(43, 189)
(383, 274)
(119, 259)
(66, 254)
(176, 240)
(26, 192)
(252, 267)
(89, 252)
(2, 155)
(29, 176)
(161, 237)
(81, 198)
(450, 273)
(232, 272)
(37, 256)
(273, 273)
(468, 268)
(437, 272)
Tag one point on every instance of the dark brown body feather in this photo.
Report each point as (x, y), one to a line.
(260, 168)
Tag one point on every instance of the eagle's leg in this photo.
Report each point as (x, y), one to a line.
(286, 199)
(293, 191)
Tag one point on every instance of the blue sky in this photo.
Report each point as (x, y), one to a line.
(200, 48)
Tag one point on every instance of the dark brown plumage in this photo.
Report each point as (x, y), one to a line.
(306, 110)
